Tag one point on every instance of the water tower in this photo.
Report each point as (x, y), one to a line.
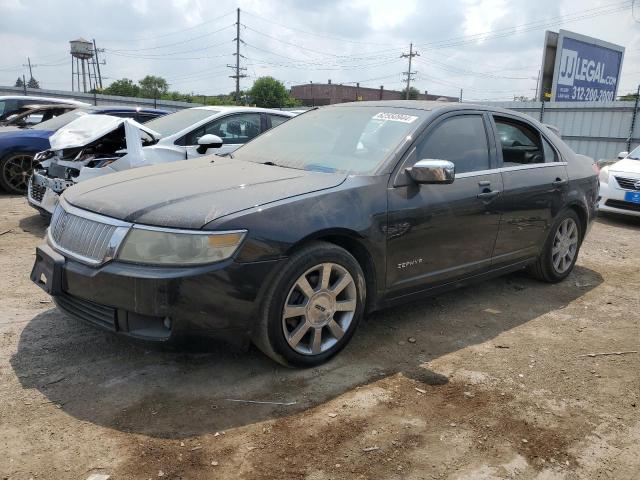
(82, 52)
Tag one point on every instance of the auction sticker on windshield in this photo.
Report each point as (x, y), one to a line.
(395, 117)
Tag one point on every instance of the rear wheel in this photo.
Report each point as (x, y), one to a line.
(560, 251)
(313, 306)
(15, 170)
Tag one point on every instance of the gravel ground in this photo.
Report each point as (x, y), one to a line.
(491, 381)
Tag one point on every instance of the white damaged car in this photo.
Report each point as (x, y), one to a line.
(620, 185)
(95, 145)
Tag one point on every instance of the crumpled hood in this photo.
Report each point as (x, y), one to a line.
(89, 128)
(191, 193)
(626, 165)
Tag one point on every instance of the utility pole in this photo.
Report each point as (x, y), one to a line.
(633, 119)
(410, 55)
(95, 52)
(24, 86)
(460, 95)
(30, 72)
(30, 66)
(237, 67)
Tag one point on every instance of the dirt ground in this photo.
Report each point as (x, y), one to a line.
(491, 381)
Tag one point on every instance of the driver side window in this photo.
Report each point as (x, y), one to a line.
(460, 139)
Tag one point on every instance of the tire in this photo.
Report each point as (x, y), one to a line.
(547, 268)
(293, 340)
(15, 170)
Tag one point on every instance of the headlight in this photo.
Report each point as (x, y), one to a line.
(604, 175)
(179, 247)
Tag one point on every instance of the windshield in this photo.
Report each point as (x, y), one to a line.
(61, 120)
(635, 154)
(334, 139)
(170, 124)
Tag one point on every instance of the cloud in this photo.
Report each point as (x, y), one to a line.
(301, 41)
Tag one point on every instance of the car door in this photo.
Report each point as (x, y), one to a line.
(441, 233)
(535, 183)
(235, 130)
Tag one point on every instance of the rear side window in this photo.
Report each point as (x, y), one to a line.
(461, 140)
(520, 143)
(277, 120)
(232, 129)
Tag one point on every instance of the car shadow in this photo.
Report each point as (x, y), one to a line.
(35, 225)
(618, 220)
(101, 378)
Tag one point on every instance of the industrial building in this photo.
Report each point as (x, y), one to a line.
(314, 94)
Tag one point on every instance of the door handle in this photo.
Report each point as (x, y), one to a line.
(560, 182)
(488, 195)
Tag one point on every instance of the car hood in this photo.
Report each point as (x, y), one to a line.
(626, 165)
(89, 128)
(191, 193)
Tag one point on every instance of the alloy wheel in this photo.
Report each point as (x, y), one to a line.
(319, 309)
(16, 172)
(565, 245)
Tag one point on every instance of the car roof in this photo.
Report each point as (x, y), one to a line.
(433, 106)
(125, 108)
(232, 109)
(35, 98)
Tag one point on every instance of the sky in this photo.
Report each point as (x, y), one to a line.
(491, 49)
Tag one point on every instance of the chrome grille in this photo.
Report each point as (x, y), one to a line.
(81, 237)
(628, 183)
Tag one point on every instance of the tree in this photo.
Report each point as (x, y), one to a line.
(19, 83)
(268, 92)
(413, 93)
(33, 83)
(123, 87)
(153, 87)
(628, 96)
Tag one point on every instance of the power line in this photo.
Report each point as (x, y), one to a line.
(530, 26)
(124, 50)
(299, 30)
(177, 32)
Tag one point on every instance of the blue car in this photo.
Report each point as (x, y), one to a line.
(18, 147)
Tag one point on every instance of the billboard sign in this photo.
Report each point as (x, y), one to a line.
(586, 69)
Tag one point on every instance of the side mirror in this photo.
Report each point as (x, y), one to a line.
(432, 171)
(208, 141)
(622, 155)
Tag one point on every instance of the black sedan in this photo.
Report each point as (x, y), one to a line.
(336, 213)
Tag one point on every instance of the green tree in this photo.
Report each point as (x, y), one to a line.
(33, 83)
(413, 93)
(19, 83)
(153, 87)
(268, 92)
(628, 96)
(123, 87)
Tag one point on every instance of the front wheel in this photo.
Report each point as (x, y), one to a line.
(312, 308)
(560, 251)
(15, 170)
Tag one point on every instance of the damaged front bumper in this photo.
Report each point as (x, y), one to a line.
(43, 192)
(156, 303)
